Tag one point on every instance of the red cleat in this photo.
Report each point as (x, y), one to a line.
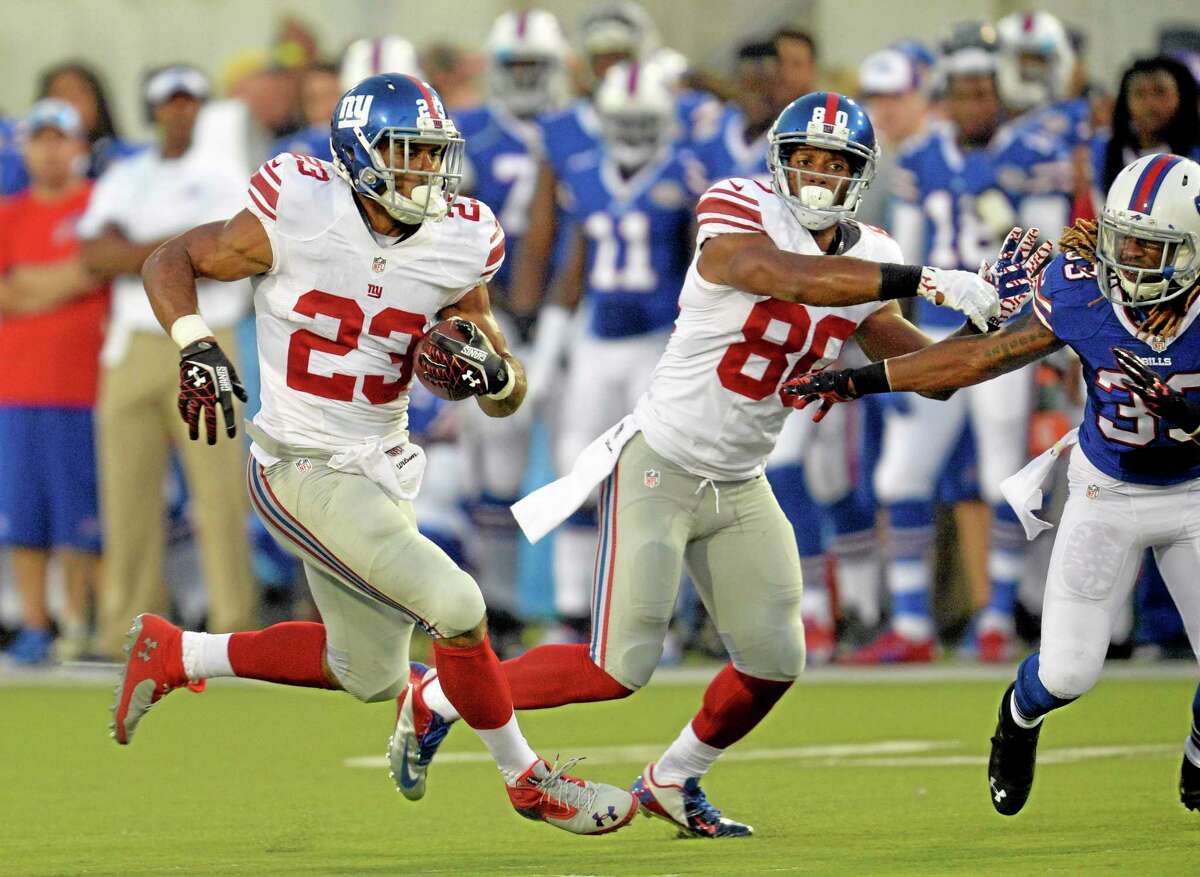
(892, 648)
(995, 647)
(153, 668)
(819, 642)
(579, 806)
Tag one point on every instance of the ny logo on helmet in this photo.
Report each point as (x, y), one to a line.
(355, 110)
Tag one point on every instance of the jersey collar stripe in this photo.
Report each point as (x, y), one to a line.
(1150, 182)
(267, 211)
(832, 100)
(425, 93)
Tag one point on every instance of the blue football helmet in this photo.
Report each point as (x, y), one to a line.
(374, 128)
(826, 120)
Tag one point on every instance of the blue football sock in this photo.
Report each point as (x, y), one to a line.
(908, 567)
(1032, 698)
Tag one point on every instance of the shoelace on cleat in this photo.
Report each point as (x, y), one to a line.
(697, 804)
(553, 785)
(432, 739)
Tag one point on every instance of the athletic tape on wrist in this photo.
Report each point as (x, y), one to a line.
(898, 281)
(188, 330)
(505, 391)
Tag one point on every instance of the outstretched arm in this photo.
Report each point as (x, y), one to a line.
(752, 263)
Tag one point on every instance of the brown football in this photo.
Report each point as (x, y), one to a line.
(452, 330)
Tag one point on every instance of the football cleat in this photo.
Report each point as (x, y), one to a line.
(419, 732)
(1014, 755)
(153, 669)
(686, 807)
(892, 648)
(547, 794)
(1189, 784)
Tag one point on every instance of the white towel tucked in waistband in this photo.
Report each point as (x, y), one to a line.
(549, 506)
(1024, 489)
(397, 470)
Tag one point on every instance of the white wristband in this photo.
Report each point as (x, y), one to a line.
(505, 391)
(188, 330)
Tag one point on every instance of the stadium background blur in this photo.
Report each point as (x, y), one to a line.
(252, 52)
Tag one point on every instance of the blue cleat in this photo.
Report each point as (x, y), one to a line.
(686, 807)
(419, 732)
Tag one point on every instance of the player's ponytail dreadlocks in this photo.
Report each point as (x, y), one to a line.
(1163, 319)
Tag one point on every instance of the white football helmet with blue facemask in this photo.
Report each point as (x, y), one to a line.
(1148, 249)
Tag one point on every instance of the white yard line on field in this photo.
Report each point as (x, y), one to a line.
(886, 753)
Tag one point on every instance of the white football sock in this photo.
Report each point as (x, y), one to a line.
(509, 748)
(687, 757)
(1021, 721)
(206, 655)
(435, 698)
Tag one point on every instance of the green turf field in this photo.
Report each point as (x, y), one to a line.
(845, 777)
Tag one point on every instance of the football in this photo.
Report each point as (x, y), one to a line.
(450, 329)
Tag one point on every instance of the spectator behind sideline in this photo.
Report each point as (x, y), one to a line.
(51, 326)
(137, 205)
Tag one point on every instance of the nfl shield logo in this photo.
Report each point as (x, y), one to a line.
(1158, 344)
(379, 264)
(1093, 491)
(651, 478)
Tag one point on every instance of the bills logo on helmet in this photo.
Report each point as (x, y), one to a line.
(355, 110)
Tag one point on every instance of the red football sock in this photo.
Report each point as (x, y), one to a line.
(733, 704)
(474, 683)
(548, 676)
(288, 653)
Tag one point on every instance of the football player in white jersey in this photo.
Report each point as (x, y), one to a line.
(770, 293)
(351, 261)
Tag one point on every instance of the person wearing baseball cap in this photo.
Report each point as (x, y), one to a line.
(139, 203)
(892, 85)
(52, 312)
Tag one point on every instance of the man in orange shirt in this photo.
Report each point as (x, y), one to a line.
(52, 316)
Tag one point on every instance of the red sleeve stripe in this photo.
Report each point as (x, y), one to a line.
(270, 172)
(1043, 301)
(268, 192)
(496, 256)
(723, 222)
(258, 202)
(730, 193)
(714, 204)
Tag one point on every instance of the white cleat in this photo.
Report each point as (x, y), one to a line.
(548, 794)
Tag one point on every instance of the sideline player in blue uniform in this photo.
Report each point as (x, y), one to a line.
(630, 205)
(1136, 472)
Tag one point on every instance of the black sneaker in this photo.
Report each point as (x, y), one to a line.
(1189, 785)
(1010, 767)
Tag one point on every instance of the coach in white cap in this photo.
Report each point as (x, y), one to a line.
(892, 85)
(137, 204)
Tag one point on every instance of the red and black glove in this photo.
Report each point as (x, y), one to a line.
(464, 368)
(835, 385)
(1161, 401)
(207, 379)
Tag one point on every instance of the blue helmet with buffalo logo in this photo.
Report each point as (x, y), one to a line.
(825, 120)
(375, 130)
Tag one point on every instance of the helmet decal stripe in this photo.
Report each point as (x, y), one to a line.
(634, 71)
(427, 94)
(522, 23)
(832, 99)
(376, 56)
(1150, 182)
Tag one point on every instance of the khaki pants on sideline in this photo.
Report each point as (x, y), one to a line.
(137, 421)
